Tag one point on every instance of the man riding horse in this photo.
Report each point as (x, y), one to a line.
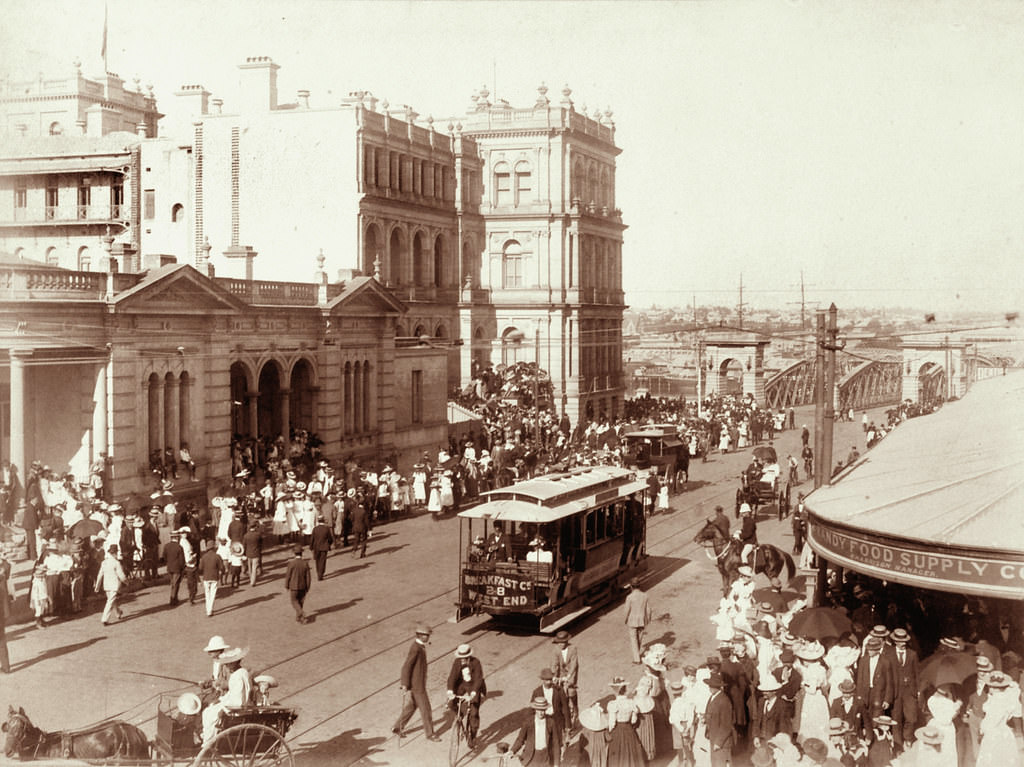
(727, 554)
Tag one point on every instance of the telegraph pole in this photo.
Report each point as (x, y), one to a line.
(819, 400)
(739, 307)
(831, 346)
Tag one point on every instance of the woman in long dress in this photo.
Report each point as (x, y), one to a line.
(434, 504)
(624, 749)
(594, 735)
(998, 745)
(419, 484)
(811, 720)
(447, 493)
(944, 709)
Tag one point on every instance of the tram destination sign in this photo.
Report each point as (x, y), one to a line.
(510, 591)
(993, 574)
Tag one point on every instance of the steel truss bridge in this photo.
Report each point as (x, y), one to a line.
(860, 383)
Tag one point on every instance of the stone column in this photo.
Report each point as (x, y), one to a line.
(99, 413)
(18, 410)
(185, 412)
(253, 398)
(286, 415)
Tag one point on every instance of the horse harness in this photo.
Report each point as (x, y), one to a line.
(42, 737)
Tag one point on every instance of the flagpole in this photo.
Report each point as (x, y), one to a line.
(103, 49)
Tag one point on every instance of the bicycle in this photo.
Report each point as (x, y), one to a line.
(460, 729)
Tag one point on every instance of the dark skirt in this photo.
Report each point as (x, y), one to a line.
(624, 749)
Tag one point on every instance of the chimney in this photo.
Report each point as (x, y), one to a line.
(257, 84)
(140, 130)
(81, 124)
(218, 106)
(195, 99)
(304, 99)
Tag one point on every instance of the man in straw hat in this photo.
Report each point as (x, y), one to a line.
(905, 707)
(466, 678)
(539, 743)
(237, 694)
(876, 678)
(413, 684)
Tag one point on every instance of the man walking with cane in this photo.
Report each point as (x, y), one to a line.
(413, 684)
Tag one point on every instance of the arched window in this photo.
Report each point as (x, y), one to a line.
(84, 259)
(512, 265)
(420, 267)
(371, 248)
(346, 401)
(420, 331)
(469, 271)
(177, 213)
(396, 258)
(578, 182)
(503, 185)
(400, 330)
(524, 183)
(440, 267)
(52, 257)
(56, 129)
(512, 346)
(605, 198)
(441, 332)
(591, 184)
(154, 416)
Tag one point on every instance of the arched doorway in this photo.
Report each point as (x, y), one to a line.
(481, 349)
(240, 425)
(301, 410)
(512, 347)
(931, 386)
(730, 377)
(268, 409)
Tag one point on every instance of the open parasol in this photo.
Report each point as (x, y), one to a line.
(946, 668)
(819, 623)
(84, 528)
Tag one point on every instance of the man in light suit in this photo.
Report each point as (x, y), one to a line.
(876, 679)
(638, 615)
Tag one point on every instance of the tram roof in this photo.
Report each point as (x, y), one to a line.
(954, 478)
(554, 496)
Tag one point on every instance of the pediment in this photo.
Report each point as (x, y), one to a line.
(364, 295)
(178, 290)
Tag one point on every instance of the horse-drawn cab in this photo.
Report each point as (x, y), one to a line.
(256, 730)
(658, 446)
(762, 483)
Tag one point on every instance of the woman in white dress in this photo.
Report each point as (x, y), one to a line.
(998, 745)
(944, 709)
(434, 504)
(447, 494)
(811, 719)
(419, 484)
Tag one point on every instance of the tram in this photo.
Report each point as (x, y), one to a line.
(549, 549)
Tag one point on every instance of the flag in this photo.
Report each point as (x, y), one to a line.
(103, 48)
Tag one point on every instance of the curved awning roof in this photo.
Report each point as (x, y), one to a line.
(938, 503)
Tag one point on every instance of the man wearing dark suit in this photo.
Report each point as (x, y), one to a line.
(539, 743)
(297, 583)
(721, 521)
(252, 542)
(718, 718)
(876, 679)
(413, 680)
(497, 545)
(321, 541)
(769, 716)
(467, 678)
(174, 556)
(790, 678)
(360, 528)
(975, 687)
(557, 708)
(905, 707)
(566, 668)
(850, 709)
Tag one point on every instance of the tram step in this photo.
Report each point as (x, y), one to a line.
(553, 621)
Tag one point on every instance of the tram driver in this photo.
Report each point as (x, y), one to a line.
(498, 548)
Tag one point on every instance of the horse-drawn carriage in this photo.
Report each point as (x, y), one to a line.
(247, 736)
(658, 446)
(764, 488)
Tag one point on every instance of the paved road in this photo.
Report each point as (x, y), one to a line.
(341, 669)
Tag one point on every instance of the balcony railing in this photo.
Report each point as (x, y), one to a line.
(271, 293)
(17, 282)
(78, 213)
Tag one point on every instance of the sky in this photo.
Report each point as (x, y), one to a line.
(873, 150)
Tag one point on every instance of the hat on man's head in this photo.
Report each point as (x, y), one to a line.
(714, 681)
(847, 686)
(837, 726)
(874, 644)
(711, 660)
(234, 655)
(562, 637)
(769, 684)
(879, 631)
(547, 674)
(351, 492)
(998, 680)
(463, 651)
(745, 571)
(296, 549)
(951, 643)
(215, 644)
(539, 703)
(900, 636)
(983, 664)
(423, 629)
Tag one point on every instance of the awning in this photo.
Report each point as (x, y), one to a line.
(938, 503)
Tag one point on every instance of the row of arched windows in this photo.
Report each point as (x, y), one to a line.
(513, 184)
(600, 264)
(600, 347)
(168, 411)
(386, 169)
(427, 263)
(80, 259)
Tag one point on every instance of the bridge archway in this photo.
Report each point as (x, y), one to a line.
(730, 377)
(935, 369)
(746, 350)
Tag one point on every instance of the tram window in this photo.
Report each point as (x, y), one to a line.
(591, 528)
(602, 524)
(615, 520)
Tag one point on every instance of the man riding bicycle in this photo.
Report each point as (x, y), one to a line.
(467, 679)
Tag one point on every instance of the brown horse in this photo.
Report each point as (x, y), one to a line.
(726, 554)
(108, 740)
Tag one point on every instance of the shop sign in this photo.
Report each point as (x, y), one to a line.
(973, 572)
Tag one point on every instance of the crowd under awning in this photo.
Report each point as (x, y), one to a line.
(938, 503)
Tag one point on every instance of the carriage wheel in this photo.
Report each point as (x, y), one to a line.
(787, 501)
(739, 500)
(246, 745)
